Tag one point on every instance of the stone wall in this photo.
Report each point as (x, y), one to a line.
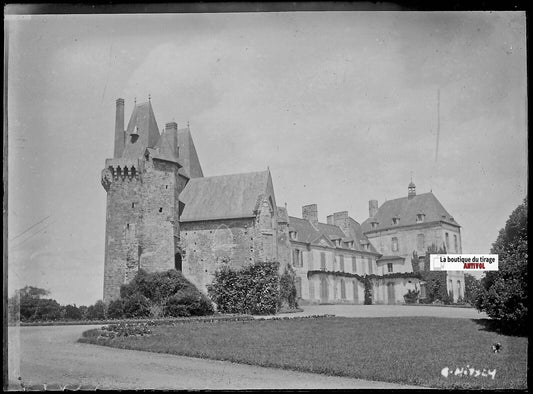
(207, 244)
(124, 199)
(160, 222)
(141, 221)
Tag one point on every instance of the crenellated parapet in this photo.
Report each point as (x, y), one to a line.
(120, 170)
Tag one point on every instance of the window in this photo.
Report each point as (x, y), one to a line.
(297, 258)
(311, 290)
(394, 246)
(133, 205)
(369, 265)
(341, 263)
(354, 265)
(343, 289)
(420, 240)
(455, 243)
(374, 224)
(450, 290)
(447, 242)
(396, 220)
(420, 217)
(322, 261)
(160, 209)
(292, 234)
(355, 292)
(389, 267)
(459, 292)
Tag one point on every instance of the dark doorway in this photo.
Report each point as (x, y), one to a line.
(177, 261)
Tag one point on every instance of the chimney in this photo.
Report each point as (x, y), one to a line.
(372, 208)
(330, 219)
(120, 134)
(170, 140)
(310, 213)
(340, 219)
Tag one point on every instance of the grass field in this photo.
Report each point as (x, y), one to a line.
(410, 350)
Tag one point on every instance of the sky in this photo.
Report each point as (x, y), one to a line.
(342, 107)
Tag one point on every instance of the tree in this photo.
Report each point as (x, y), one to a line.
(472, 287)
(503, 293)
(72, 312)
(97, 311)
(31, 306)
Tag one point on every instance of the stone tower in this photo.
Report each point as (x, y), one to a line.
(143, 181)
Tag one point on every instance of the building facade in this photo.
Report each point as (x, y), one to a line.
(405, 225)
(163, 213)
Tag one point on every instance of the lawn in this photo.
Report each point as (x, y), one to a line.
(410, 350)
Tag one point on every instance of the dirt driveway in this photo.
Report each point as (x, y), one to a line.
(50, 355)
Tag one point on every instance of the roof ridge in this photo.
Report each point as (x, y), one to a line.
(236, 174)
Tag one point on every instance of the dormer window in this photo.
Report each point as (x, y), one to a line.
(420, 217)
(350, 244)
(374, 224)
(293, 235)
(135, 134)
(396, 220)
(338, 242)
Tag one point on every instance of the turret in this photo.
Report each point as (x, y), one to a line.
(411, 190)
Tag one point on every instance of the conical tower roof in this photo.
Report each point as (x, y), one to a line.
(142, 131)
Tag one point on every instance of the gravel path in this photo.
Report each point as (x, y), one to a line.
(50, 355)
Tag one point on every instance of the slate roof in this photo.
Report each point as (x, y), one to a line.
(223, 197)
(332, 231)
(390, 258)
(306, 232)
(143, 119)
(406, 209)
(187, 154)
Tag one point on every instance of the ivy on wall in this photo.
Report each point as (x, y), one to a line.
(361, 278)
(254, 289)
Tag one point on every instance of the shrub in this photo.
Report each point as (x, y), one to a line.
(160, 294)
(115, 309)
(411, 296)
(136, 305)
(254, 289)
(287, 288)
(188, 303)
(368, 291)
